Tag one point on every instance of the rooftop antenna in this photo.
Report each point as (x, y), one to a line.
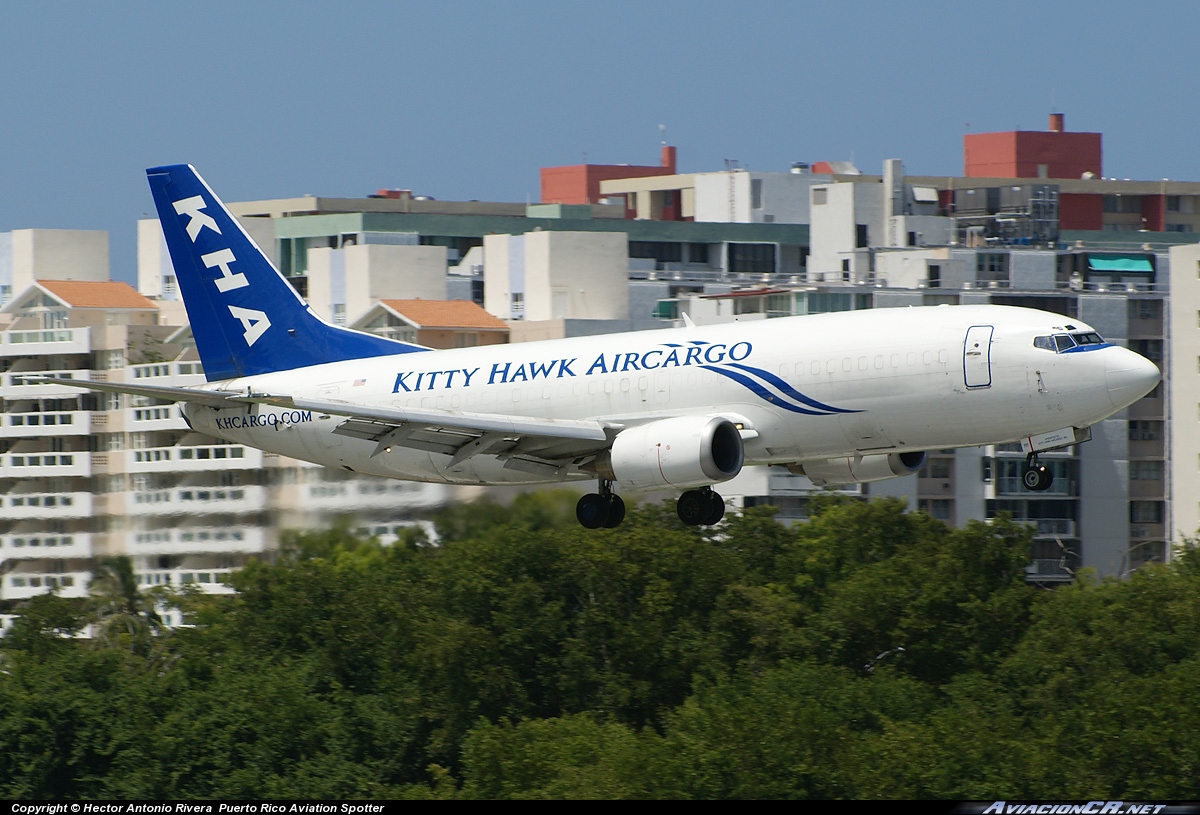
(662, 135)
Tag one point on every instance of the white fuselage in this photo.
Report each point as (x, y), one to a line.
(801, 388)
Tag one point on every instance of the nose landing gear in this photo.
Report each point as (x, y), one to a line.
(1036, 476)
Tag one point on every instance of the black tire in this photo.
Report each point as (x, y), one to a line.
(716, 509)
(616, 512)
(1038, 478)
(692, 507)
(592, 511)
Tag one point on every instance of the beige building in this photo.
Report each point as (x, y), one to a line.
(1183, 318)
(543, 276)
(85, 475)
(59, 254)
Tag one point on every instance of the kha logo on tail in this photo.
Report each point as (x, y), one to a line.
(254, 322)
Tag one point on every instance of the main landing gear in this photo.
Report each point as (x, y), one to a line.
(1036, 476)
(603, 509)
(701, 507)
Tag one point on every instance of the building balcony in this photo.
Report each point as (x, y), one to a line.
(197, 500)
(198, 540)
(1146, 448)
(16, 505)
(173, 374)
(341, 496)
(1052, 527)
(208, 581)
(1049, 570)
(1013, 487)
(37, 545)
(45, 341)
(36, 425)
(156, 417)
(25, 385)
(1147, 531)
(45, 465)
(1147, 408)
(20, 585)
(189, 459)
(1147, 489)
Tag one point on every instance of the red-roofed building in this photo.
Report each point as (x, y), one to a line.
(97, 294)
(80, 303)
(435, 323)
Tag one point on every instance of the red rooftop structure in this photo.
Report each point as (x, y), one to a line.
(1054, 153)
(580, 183)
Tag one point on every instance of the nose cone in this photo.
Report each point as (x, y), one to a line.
(1129, 377)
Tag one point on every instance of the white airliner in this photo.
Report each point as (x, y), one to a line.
(841, 398)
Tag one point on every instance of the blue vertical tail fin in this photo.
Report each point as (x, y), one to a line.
(246, 318)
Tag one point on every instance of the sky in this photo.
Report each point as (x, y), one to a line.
(463, 99)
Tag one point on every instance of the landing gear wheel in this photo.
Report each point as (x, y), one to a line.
(593, 511)
(716, 509)
(693, 507)
(616, 512)
(1036, 476)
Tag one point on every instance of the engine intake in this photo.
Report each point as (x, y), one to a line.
(685, 451)
(856, 470)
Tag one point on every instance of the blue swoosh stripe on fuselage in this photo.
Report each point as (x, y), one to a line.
(1081, 348)
(761, 392)
(788, 390)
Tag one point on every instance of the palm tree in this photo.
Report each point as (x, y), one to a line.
(121, 613)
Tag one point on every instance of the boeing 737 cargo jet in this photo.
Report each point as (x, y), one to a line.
(840, 398)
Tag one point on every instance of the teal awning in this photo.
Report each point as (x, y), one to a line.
(1119, 263)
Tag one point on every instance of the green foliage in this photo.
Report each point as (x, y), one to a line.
(870, 653)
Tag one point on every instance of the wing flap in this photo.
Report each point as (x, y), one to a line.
(454, 433)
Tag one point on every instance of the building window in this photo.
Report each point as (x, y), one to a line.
(660, 251)
(1150, 349)
(1123, 204)
(1145, 309)
(751, 258)
(992, 265)
(1145, 512)
(1144, 430)
(1145, 471)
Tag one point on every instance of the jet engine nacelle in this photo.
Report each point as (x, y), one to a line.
(686, 451)
(857, 470)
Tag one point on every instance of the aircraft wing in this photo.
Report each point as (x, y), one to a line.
(525, 442)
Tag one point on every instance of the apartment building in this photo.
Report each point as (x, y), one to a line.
(86, 475)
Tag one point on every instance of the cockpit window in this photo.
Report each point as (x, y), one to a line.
(1065, 342)
(1062, 342)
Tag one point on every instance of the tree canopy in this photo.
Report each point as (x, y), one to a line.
(870, 653)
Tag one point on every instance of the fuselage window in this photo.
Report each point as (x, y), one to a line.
(1045, 343)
